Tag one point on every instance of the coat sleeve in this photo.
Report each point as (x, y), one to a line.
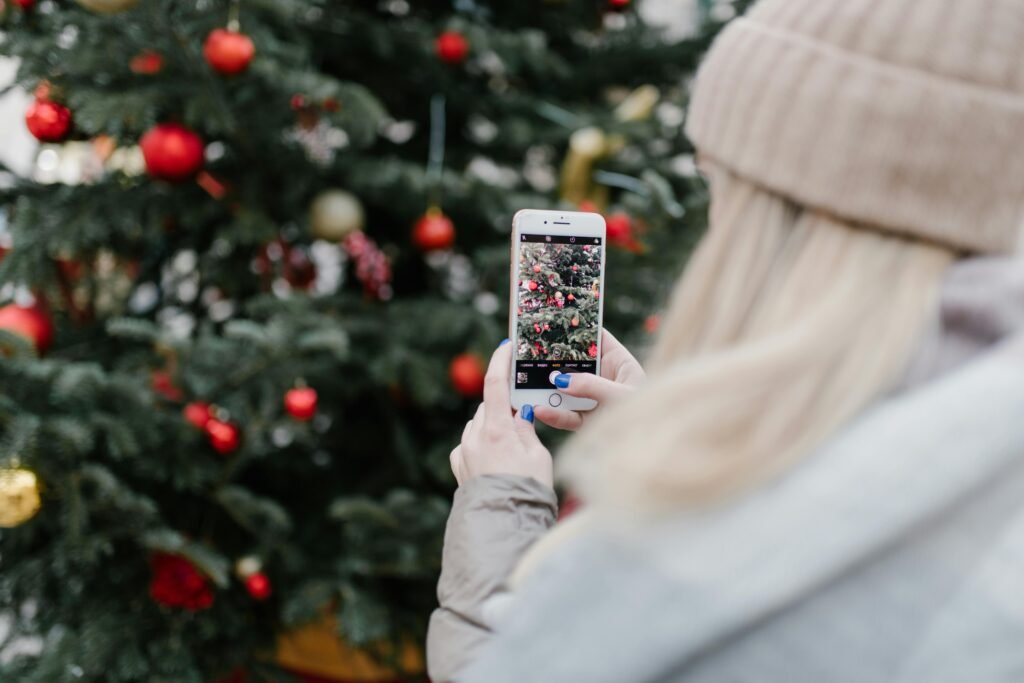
(494, 520)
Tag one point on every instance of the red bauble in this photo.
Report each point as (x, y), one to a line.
(163, 384)
(618, 4)
(197, 414)
(532, 286)
(452, 47)
(467, 375)
(146, 63)
(223, 436)
(177, 583)
(575, 268)
(652, 323)
(536, 328)
(301, 402)
(571, 298)
(434, 231)
(536, 268)
(592, 351)
(172, 152)
(620, 229)
(258, 585)
(30, 322)
(24, 4)
(228, 52)
(48, 121)
(575, 322)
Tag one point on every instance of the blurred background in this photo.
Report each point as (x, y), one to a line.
(253, 256)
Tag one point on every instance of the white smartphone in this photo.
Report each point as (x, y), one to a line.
(557, 303)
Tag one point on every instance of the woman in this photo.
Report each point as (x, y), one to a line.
(822, 476)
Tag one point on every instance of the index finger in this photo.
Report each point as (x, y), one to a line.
(497, 391)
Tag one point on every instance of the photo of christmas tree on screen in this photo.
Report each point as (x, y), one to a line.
(559, 301)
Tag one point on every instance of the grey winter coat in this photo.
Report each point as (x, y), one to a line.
(894, 553)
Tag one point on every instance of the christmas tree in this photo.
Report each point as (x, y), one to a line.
(247, 290)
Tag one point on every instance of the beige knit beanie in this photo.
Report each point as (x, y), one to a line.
(907, 115)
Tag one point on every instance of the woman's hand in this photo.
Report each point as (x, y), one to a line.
(620, 375)
(497, 441)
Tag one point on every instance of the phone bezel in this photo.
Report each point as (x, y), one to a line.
(532, 222)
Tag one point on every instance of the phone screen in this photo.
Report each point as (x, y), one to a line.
(558, 307)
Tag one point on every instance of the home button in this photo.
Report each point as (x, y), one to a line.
(555, 400)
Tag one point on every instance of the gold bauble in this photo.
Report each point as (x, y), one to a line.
(19, 496)
(335, 214)
(108, 6)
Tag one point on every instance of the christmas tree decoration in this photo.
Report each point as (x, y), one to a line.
(433, 231)
(197, 414)
(335, 214)
(466, 372)
(620, 229)
(172, 152)
(176, 582)
(30, 322)
(147, 63)
(247, 566)
(532, 286)
(451, 47)
(618, 4)
(48, 121)
(372, 265)
(19, 496)
(223, 436)
(228, 52)
(108, 6)
(258, 586)
(592, 351)
(163, 384)
(300, 402)
(652, 323)
(24, 4)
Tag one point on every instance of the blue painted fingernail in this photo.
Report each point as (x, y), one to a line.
(503, 342)
(562, 380)
(526, 412)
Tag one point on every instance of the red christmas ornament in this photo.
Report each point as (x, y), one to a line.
(620, 229)
(332, 105)
(546, 327)
(532, 286)
(228, 52)
(575, 268)
(223, 436)
(588, 206)
(618, 4)
(452, 47)
(258, 585)
(300, 402)
(592, 351)
(536, 268)
(48, 121)
(373, 267)
(536, 328)
(30, 322)
(467, 375)
(24, 4)
(147, 63)
(575, 322)
(434, 231)
(163, 384)
(197, 414)
(652, 323)
(172, 152)
(177, 583)
(571, 298)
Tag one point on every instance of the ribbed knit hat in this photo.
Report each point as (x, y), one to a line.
(907, 115)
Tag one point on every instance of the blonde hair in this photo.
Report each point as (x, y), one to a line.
(786, 323)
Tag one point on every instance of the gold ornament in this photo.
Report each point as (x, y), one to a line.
(335, 214)
(108, 6)
(19, 496)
